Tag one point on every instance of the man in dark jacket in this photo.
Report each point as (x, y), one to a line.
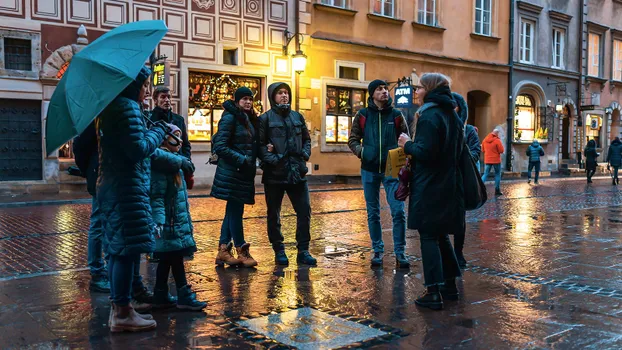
(87, 159)
(163, 111)
(614, 158)
(284, 171)
(534, 152)
(371, 140)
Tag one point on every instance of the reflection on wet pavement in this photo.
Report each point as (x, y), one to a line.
(546, 272)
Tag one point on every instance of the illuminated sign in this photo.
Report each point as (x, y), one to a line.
(404, 97)
(161, 74)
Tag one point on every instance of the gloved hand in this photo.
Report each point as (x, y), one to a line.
(162, 124)
(187, 167)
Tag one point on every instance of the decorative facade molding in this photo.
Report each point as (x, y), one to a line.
(204, 4)
(560, 16)
(529, 7)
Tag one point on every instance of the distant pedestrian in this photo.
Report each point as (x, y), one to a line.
(236, 144)
(436, 206)
(475, 149)
(375, 131)
(171, 214)
(534, 152)
(493, 149)
(590, 160)
(285, 147)
(614, 158)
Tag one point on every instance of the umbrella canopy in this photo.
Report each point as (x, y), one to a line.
(96, 75)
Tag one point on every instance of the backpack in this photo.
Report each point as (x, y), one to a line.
(397, 120)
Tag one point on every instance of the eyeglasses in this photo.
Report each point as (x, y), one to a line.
(417, 87)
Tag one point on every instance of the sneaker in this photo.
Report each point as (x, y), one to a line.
(99, 284)
(431, 299)
(305, 258)
(401, 261)
(187, 299)
(376, 259)
(280, 258)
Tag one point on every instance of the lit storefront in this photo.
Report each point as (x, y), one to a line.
(593, 129)
(342, 104)
(529, 121)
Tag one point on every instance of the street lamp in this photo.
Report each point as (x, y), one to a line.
(299, 59)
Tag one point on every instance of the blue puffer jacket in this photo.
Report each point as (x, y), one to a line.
(534, 152)
(236, 144)
(124, 172)
(169, 203)
(470, 134)
(614, 156)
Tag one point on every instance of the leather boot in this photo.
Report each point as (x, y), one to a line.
(449, 291)
(225, 255)
(431, 299)
(244, 255)
(125, 319)
(143, 316)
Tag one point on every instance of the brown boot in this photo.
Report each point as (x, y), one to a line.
(143, 316)
(225, 255)
(245, 256)
(125, 319)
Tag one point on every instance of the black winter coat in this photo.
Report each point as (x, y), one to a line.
(86, 155)
(287, 131)
(123, 185)
(437, 196)
(614, 156)
(168, 116)
(472, 141)
(236, 144)
(590, 155)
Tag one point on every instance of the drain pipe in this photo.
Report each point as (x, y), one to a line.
(297, 34)
(510, 119)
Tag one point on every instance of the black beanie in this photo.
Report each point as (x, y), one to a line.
(374, 85)
(241, 93)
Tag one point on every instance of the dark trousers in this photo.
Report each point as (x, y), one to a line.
(459, 238)
(531, 166)
(232, 226)
(438, 257)
(299, 196)
(590, 173)
(170, 262)
(615, 171)
(121, 271)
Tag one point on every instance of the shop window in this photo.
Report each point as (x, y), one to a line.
(17, 54)
(208, 91)
(531, 122)
(593, 128)
(342, 104)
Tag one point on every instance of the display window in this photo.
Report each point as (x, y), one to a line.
(593, 129)
(524, 119)
(342, 104)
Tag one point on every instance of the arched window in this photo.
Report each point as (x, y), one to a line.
(524, 118)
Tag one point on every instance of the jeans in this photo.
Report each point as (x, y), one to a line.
(438, 257)
(232, 226)
(531, 166)
(121, 271)
(497, 168)
(299, 196)
(97, 242)
(371, 189)
(137, 279)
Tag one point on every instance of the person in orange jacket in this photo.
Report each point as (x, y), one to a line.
(493, 149)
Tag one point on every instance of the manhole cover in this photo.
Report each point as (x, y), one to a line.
(307, 328)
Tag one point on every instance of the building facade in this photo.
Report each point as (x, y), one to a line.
(212, 47)
(350, 43)
(545, 77)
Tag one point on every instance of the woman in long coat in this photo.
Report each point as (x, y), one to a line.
(436, 206)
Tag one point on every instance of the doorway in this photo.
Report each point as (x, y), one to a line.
(566, 130)
(480, 112)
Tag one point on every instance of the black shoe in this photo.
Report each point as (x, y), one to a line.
(401, 261)
(498, 192)
(142, 295)
(163, 300)
(431, 299)
(589, 181)
(449, 291)
(614, 182)
(528, 181)
(536, 182)
(461, 260)
(280, 258)
(305, 258)
(99, 284)
(617, 181)
(376, 260)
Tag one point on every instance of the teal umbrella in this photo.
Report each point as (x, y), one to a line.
(96, 75)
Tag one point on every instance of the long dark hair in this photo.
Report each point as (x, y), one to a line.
(252, 118)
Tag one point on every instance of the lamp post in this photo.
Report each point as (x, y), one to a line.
(299, 59)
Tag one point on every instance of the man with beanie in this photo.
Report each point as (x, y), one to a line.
(375, 131)
(284, 148)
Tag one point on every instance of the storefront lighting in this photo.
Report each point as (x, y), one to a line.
(559, 108)
(299, 60)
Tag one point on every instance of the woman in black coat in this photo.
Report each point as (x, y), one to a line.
(236, 144)
(436, 206)
(590, 160)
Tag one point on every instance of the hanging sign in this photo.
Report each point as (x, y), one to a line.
(161, 74)
(404, 97)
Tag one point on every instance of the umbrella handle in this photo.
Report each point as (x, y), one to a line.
(175, 137)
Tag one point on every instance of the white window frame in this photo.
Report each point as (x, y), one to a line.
(422, 12)
(594, 54)
(332, 3)
(382, 3)
(617, 59)
(559, 38)
(523, 40)
(350, 64)
(479, 29)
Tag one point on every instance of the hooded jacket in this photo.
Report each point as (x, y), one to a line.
(86, 155)
(123, 184)
(168, 116)
(470, 134)
(590, 155)
(372, 144)
(493, 149)
(535, 151)
(287, 131)
(614, 156)
(236, 144)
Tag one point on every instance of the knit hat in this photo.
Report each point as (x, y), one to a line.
(143, 75)
(374, 85)
(241, 93)
(174, 128)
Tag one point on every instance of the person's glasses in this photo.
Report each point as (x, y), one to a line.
(418, 87)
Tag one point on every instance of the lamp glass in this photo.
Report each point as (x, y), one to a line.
(299, 62)
(559, 108)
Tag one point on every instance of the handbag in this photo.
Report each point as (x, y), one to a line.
(474, 189)
(403, 187)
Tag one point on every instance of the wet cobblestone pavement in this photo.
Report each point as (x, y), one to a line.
(545, 272)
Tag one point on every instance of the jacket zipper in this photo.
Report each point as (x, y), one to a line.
(380, 140)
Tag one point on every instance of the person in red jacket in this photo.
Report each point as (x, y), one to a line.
(493, 149)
